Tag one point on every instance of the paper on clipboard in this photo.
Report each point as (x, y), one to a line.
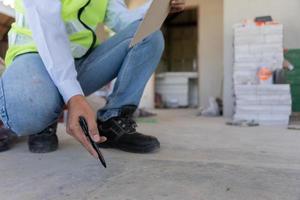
(153, 20)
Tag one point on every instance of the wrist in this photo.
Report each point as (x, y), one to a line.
(75, 98)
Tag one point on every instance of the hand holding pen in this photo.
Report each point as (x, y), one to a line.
(85, 130)
(78, 106)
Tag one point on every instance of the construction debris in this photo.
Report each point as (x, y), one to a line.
(213, 109)
(243, 123)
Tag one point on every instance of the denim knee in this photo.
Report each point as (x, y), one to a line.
(29, 117)
(29, 100)
(3, 112)
(131, 29)
(156, 41)
(31, 122)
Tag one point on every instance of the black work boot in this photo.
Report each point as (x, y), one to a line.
(6, 139)
(121, 134)
(45, 141)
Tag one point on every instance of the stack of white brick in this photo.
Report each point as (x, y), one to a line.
(256, 47)
(266, 104)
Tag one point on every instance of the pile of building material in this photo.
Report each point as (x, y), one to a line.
(258, 53)
(266, 104)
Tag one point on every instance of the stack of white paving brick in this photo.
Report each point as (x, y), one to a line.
(266, 104)
(256, 47)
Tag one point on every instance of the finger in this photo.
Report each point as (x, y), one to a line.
(177, 3)
(176, 10)
(103, 139)
(177, 7)
(86, 143)
(181, 6)
(80, 137)
(182, 2)
(93, 130)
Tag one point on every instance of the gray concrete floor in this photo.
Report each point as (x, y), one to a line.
(200, 159)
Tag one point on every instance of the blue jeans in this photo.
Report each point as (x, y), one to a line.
(30, 102)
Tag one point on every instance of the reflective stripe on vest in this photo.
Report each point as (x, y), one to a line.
(81, 31)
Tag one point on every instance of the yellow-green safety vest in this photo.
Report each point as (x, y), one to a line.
(81, 18)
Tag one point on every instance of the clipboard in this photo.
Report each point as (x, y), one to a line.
(153, 20)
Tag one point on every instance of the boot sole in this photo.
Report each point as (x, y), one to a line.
(42, 149)
(152, 148)
(5, 145)
(4, 148)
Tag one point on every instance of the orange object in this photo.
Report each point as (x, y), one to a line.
(264, 73)
(260, 23)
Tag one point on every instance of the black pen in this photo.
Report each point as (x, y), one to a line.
(85, 129)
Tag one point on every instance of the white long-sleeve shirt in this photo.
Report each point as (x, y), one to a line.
(49, 33)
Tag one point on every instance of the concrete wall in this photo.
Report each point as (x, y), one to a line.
(285, 11)
(210, 52)
(210, 48)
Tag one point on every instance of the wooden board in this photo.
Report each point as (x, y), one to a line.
(152, 21)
